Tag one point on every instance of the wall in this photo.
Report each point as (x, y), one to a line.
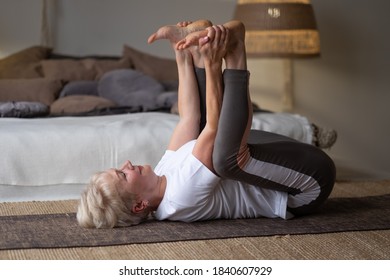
(346, 88)
(19, 25)
(102, 26)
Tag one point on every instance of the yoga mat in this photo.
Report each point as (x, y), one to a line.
(62, 230)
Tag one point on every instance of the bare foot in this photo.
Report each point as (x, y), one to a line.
(235, 27)
(236, 53)
(235, 57)
(175, 33)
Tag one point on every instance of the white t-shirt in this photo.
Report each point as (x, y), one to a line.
(194, 193)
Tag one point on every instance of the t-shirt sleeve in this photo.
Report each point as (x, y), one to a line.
(163, 161)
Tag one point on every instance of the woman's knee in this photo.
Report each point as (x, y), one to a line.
(219, 163)
(224, 163)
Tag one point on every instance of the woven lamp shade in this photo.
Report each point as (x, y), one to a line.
(279, 28)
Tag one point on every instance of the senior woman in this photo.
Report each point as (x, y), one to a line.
(219, 168)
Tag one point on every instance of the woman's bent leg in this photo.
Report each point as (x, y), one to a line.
(201, 81)
(231, 147)
(265, 159)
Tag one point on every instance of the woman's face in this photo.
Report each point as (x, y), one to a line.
(134, 179)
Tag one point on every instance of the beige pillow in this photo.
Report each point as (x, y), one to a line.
(161, 69)
(35, 90)
(23, 64)
(69, 69)
(81, 69)
(76, 104)
(103, 66)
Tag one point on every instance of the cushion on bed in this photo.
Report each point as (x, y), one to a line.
(23, 64)
(167, 99)
(105, 65)
(69, 69)
(23, 109)
(161, 69)
(170, 85)
(56, 55)
(76, 104)
(33, 90)
(81, 69)
(80, 88)
(129, 87)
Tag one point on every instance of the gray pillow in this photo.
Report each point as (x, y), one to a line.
(23, 109)
(128, 87)
(80, 88)
(167, 99)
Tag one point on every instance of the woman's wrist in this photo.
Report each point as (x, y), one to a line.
(213, 65)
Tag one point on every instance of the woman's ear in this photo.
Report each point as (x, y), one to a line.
(140, 206)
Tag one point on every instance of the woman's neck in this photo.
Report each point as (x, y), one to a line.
(160, 191)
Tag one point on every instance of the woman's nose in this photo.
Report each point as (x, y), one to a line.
(127, 165)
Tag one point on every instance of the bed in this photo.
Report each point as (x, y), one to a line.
(53, 158)
(65, 118)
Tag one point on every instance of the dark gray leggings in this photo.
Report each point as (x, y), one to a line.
(276, 162)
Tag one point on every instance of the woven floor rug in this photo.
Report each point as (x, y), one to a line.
(62, 230)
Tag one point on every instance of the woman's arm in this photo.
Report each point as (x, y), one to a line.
(213, 49)
(188, 102)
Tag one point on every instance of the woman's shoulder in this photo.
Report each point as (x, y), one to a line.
(173, 159)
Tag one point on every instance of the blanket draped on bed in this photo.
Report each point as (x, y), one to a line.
(53, 158)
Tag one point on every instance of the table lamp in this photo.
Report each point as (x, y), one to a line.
(280, 29)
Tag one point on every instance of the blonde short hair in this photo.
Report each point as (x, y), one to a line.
(101, 206)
